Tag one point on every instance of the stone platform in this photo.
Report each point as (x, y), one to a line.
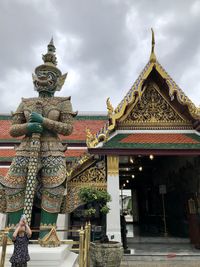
(47, 257)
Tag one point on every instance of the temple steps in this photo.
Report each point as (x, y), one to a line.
(160, 252)
(173, 263)
(160, 240)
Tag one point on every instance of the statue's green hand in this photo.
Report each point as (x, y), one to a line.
(34, 127)
(36, 117)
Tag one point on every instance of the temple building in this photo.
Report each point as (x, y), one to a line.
(145, 152)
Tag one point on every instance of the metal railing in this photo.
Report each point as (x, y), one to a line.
(4, 238)
(83, 243)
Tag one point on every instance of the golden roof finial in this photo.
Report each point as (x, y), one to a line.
(152, 56)
(109, 107)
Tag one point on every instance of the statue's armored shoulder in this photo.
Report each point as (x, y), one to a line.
(62, 99)
(64, 104)
(29, 101)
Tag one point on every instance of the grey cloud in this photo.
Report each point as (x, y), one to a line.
(105, 44)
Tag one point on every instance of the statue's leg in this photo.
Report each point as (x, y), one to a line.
(48, 221)
(14, 217)
(53, 175)
(15, 205)
(14, 187)
(51, 202)
(9, 204)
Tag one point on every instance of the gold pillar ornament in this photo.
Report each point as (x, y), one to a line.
(113, 165)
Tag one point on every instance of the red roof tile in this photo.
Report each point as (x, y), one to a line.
(4, 129)
(160, 138)
(3, 171)
(7, 153)
(78, 132)
(10, 153)
(75, 152)
(80, 127)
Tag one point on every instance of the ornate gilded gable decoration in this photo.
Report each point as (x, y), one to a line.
(115, 115)
(78, 164)
(136, 91)
(176, 91)
(92, 176)
(152, 109)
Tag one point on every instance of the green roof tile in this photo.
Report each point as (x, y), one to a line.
(115, 143)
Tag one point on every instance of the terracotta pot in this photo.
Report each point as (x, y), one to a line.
(106, 254)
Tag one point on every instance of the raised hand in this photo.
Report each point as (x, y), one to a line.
(36, 117)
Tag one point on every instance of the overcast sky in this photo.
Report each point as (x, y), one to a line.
(102, 44)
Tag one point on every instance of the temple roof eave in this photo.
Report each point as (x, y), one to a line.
(144, 152)
(160, 142)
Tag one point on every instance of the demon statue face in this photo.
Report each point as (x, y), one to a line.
(48, 78)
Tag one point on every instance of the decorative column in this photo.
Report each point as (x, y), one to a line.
(113, 217)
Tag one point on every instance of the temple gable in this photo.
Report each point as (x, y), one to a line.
(154, 102)
(152, 109)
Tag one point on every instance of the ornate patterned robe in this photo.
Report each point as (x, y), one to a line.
(58, 119)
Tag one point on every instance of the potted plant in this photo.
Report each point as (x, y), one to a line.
(103, 252)
(95, 204)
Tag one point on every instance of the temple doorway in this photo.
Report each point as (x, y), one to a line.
(154, 193)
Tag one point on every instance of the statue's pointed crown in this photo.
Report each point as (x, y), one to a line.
(50, 59)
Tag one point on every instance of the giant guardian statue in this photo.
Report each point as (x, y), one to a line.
(38, 171)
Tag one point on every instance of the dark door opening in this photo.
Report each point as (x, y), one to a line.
(147, 178)
(35, 222)
(35, 219)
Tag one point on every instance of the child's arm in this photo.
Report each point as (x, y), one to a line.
(16, 231)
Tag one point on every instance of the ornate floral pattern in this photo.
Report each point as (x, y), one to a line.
(52, 199)
(94, 176)
(152, 109)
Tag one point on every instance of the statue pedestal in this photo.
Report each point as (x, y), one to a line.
(47, 257)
